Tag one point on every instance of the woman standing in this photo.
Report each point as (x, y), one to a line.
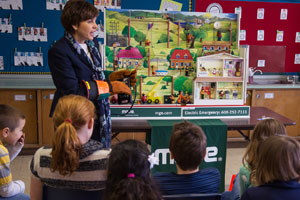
(75, 59)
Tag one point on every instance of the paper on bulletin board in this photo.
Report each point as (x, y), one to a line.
(6, 25)
(238, 10)
(279, 36)
(297, 58)
(102, 4)
(56, 5)
(260, 35)
(260, 13)
(297, 37)
(169, 5)
(242, 35)
(1, 63)
(11, 4)
(283, 14)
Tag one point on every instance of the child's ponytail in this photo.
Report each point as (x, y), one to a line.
(66, 149)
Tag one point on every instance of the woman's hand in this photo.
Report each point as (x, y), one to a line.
(120, 75)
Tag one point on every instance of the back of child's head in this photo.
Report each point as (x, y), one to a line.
(70, 114)
(278, 160)
(129, 173)
(188, 145)
(267, 128)
(263, 130)
(10, 117)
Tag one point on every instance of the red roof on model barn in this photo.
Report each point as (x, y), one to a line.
(131, 52)
(181, 53)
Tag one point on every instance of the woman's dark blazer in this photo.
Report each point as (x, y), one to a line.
(68, 69)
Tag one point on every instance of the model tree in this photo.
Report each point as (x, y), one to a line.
(140, 37)
(164, 38)
(109, 54)
(178, 83)
(125, 31)
(168, 79)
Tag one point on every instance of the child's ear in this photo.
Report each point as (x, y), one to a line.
(5, 132)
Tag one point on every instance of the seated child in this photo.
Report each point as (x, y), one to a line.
(188, 148)
(262, 131)
(12, 122)
(277, 171)
(246, 175)
(129, 173)
(74, 161)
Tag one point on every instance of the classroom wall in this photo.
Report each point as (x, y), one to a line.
(34, 13)
(269, 49)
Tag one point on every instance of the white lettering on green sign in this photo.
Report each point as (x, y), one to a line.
(211, 155)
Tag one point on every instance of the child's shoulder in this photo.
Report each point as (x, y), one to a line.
(3, 149)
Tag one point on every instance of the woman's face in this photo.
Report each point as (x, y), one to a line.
(85, 30)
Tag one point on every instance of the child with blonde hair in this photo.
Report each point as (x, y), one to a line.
(74, 161)
(277, 170)
(246, 176)
(261, 132)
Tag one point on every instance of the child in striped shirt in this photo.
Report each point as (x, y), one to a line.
(12, 137)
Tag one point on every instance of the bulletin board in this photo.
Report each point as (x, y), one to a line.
(35, 14)
(271, 23)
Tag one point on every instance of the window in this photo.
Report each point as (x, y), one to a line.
(177, 56)
(211, 48)
(205, 48)
(185, 56)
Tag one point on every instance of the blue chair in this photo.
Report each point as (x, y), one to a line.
(211, 196)
(50, 193)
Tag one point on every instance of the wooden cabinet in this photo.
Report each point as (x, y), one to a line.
(47, 123)
(282, 101)
(26, 101)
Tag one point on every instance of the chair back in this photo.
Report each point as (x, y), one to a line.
(211, 196)
(50, 193)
